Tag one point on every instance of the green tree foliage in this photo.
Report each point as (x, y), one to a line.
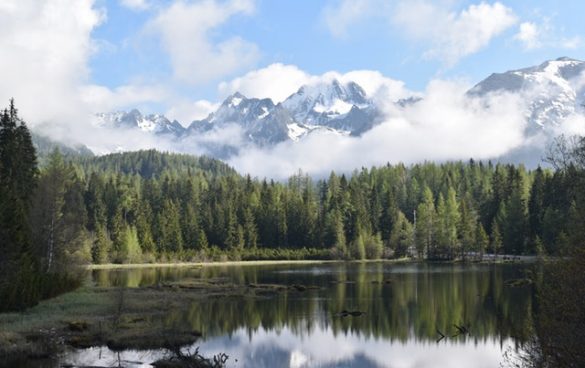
(402, 235)
(181, 208)
(374, 246)
(358, 246)
(425, 227)
(19, 265)
(130, 251)
(560, 312)
(482, 241)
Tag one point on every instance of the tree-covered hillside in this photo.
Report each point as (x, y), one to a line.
(150, 205)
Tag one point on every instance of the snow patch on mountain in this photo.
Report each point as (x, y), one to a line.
(552, 90)
(295, 131)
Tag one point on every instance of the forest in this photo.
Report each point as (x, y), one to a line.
(149, 206)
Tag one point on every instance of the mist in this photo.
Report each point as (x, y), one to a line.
(445, 125)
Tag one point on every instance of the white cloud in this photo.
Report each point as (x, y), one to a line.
(184, 30)
(445, 125)
(278, 81)
(339, 17)
(186, 111)
(45, 48)
(100, 98)
(536, 35)
(136, 4)
(529, 36)
(571, 43)
(453, 35)
(574, 124)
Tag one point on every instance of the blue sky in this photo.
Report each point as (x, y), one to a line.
(298, 33)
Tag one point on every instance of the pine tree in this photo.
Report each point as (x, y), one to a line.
(482, 240)
(171, 235)
(102, 245)
(358, 246)
(49, 210)
(467, 227)
(496, 239)
(250, 231)
(425, 224)
(451, 221)
(144, 219)
(374, 246)
(20, 271)
(130, 251)
(402, 235)
(536, 204)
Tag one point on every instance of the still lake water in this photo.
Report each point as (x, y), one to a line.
(405, 305)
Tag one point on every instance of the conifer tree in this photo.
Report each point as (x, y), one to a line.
(425, 224)
(402, 235)
(482, 240)
(19, 267)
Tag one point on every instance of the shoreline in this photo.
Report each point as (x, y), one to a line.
(487, 260)
(108, 266)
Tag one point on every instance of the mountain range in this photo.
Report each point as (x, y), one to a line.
(340, 108)
(552, 91)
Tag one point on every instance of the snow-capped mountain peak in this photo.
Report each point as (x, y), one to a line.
(153, 123)
(315, 103)
(552, 90)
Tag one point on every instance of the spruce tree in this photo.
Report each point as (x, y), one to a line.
(20, 271)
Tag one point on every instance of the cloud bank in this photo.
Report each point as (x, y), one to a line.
(450, 35)
(534, 35)
(45, 47)
(184, 30)
(278, 81)
(445, 125)
(453, 35)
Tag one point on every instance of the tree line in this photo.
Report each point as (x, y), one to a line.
(430, 211)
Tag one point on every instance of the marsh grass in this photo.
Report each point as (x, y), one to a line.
(117, 317)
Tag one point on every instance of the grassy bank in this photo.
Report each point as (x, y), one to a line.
(120, 318)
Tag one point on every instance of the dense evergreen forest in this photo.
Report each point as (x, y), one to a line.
(145, 206)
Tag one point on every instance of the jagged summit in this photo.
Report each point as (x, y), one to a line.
(553, 90)
(154, 123)
(314, 104)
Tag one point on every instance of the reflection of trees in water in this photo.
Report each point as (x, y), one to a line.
(399, 305)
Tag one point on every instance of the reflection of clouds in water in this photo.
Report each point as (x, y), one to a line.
(323, 348)
(104, 357)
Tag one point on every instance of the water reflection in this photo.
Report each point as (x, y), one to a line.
(405, 305)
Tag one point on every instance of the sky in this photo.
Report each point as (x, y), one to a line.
(64, 60)
(412, 41)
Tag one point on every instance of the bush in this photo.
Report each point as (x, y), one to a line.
(374, 246)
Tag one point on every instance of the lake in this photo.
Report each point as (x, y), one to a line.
(407, 307)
